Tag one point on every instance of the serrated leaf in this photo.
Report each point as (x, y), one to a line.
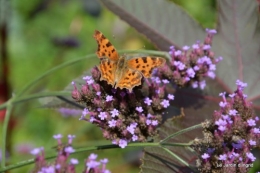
(197, 108)
(157, 160)
(160, 21)
(238, 42)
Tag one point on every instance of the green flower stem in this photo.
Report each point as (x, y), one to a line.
(30, 84)
(175, 156)
(5, 127)
(21, 164)
(38, 95)
(4, 105)
(178, 158)
(145, 144)
(43, 94)
(181, 132)
(93, 148)
(176, 144)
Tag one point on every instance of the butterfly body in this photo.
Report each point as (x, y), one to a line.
(121, 71)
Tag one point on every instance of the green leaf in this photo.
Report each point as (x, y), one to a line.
(163, 22)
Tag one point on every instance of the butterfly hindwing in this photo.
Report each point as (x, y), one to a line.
(145, 64)
(130, 79)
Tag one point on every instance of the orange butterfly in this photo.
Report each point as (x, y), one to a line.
(119, 71)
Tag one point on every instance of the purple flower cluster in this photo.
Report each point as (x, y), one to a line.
(123, 116)
(230, 136)
(92, 165)
(61, 162)
(190, 67)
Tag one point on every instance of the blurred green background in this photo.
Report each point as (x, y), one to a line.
(45, 33)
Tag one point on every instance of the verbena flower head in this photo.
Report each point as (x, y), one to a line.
(190, 66)
(123, 115)
(62, 163)
(92, 165)
(230, 136)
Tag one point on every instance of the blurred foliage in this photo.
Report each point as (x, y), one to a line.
(198, 10)
(45, 33)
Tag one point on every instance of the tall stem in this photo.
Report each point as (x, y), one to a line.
(4, 74)
(5, 129)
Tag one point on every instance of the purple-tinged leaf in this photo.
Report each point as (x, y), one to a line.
(163, 22)
(238, 42)
(157, 160)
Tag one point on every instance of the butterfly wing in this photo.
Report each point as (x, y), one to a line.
(145, 64)
(105, 48)
(130, 79)
(107, 69)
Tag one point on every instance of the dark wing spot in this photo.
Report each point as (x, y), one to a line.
(137, 66)
(113, 50)
(143, 66)
(109, 54)
(133, 73)
(144, 59)
(103, 54)
(108, 44)
(143, 71)
(103, 46)
(105, 50)
(108, 63)
(127, 78)
(110, 71)
(102, 37)
(154, 60)
(136, 61)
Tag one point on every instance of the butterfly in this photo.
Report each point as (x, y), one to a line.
(120, 71)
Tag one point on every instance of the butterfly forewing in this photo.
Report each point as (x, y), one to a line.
(107, 69)
(145, 64)
(105, 48)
